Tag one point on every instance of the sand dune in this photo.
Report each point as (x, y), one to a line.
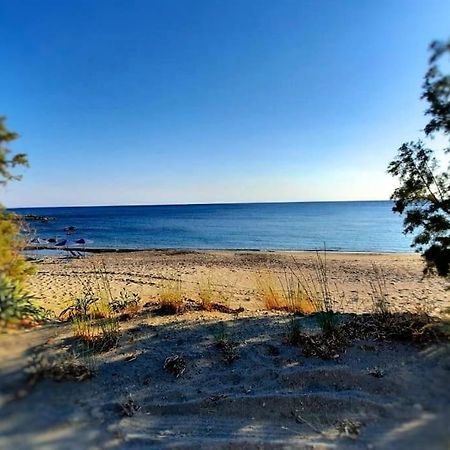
(372, 395)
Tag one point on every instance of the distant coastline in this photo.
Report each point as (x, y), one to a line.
(196, 204)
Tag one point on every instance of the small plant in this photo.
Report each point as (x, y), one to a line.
(379, 293)
(318, 290)
(16, 305)
(60, 368)
(82, 306)
(327, 321)
(269, 292)
(294, 331)
(227, 346)
(96, 335)
(175, 365)
(348, 427)
(171, 297)
(284, 293)
(126, 301)
(376, 372)
(206, 295)
(321, 345)
(129, 407)
(95, 296)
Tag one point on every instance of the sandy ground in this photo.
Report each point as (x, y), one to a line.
(395, 395)
(234, 276)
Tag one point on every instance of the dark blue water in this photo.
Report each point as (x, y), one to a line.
(345, 226)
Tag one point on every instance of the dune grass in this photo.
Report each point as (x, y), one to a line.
(171, 297)
(283, 293)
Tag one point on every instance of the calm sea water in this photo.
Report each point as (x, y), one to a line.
(345, 226)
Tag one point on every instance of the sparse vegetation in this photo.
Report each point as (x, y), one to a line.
(65, 367)
(171, 298)
(16, 305)
(404, 327)
(206, 295)
(284, 293)
(129, 407)
(126, 302)
(294, 331)
(227, 346)
(175, 364)
(379, 295)
(82, 305)
(96, 335)
(349, 427)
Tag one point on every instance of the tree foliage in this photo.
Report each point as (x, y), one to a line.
(423, 196)
(8, 161)
(12, 264)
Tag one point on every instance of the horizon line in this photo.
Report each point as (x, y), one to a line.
(198, 204)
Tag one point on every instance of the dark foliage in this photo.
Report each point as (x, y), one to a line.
(423, 196)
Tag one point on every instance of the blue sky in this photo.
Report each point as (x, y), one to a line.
(177, 101)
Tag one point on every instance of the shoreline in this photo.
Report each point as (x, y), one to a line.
(213, 250)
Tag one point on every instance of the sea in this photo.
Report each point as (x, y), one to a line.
(357, 226)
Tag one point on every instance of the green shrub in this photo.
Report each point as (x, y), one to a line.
(125, 301)
(16, 304)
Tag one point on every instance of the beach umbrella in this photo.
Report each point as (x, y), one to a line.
(38, 241)
(82, 243)
(65, 243)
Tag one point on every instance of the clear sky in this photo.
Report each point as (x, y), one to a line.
(193, 101)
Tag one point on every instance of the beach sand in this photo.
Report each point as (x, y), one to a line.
(234, 275)
(373, 395)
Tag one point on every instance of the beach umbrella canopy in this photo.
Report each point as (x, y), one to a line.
(38, 241)
(65, 243)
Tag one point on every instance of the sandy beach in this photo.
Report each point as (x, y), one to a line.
(234, 275)
(373, 394)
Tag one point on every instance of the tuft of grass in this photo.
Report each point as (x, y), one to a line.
(67, 367)
(319, 292)
(284, 293)
(96, 335)
(175, 364)
(129, 407)
(171, 298)
(295, 334)
(269, 292)
(378, 294)
(327, 321)
(94, 297)
(206, 295)
(126, 303)
(227, 346)
(349, 428)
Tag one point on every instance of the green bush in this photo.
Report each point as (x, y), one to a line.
(16, 304)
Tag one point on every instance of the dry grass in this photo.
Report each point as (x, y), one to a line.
(284, 293)
(171, 298)
(96, 335)
(207, 295)
(378, 291)
(321, 294)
